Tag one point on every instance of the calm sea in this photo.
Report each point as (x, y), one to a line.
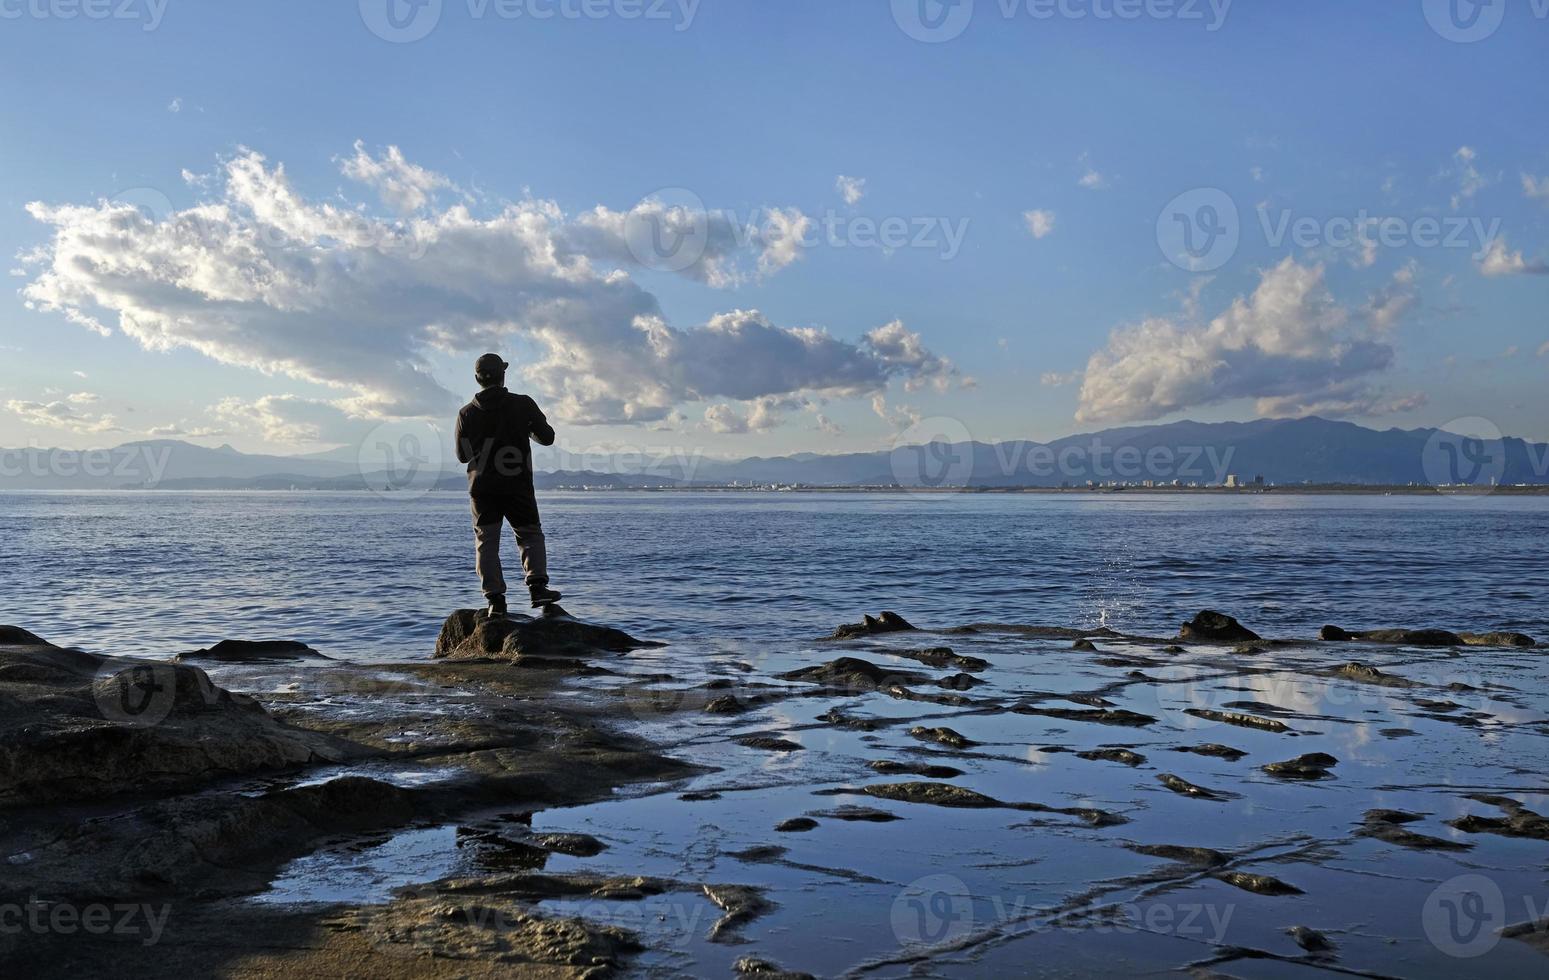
(370, 577)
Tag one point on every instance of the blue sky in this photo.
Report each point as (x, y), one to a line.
(1037, 173)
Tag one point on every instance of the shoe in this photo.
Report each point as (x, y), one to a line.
(542, 596)
(497, 607)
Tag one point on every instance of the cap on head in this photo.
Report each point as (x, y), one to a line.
(489, 369)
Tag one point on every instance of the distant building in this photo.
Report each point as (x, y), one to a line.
(1231, 481)
(1258, 481)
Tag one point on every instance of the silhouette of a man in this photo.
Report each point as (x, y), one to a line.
(492, 439)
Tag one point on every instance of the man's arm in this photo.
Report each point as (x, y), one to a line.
(464, 450)
(542, 431)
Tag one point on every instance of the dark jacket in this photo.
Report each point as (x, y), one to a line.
(492, 438)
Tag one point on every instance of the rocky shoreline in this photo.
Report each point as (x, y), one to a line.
(194, 784)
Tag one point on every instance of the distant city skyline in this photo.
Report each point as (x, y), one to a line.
(764, 230)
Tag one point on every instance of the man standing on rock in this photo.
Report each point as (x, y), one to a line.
(492, 439)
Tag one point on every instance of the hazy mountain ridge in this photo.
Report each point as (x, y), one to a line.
(1282, 451)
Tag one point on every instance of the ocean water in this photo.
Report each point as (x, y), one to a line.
(370, 577)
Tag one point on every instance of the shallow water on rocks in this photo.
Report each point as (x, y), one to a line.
(956, 891)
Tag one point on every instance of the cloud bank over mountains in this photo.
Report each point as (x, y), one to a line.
(258, 276)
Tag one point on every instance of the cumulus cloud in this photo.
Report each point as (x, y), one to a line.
(1393, 302)
(262, 278)
(852, 189)
(1536, 188)
(1351, 398)
(1500, 261)
(403, 186)
(1040, 223)
(1289, 345)
(63, 414)
(289, 420)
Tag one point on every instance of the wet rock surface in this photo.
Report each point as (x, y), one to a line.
(717, 809)
(1214, 627)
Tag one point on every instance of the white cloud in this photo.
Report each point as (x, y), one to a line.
(176, 105)
(1059, 379)
(264, 279)
(1536, 188)
(1470, 181)
(1288, 344)
(1040, 223)
(1257, 173)
(79, 374)
(1392, 303)
(403, 186)
(1351, 398)
(852, 189)
(1499, 261)
(62, 415)
(289, 420)
(1093, 181)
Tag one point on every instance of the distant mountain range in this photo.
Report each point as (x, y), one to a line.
(1278, 451)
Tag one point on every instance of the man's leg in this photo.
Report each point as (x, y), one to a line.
(487, 528)
(535, 554)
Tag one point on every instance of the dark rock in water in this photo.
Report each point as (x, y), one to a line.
(942, 657)
(796, 825)
(1313, 765)
(83, 726)
(1124, 756)
(254, 651)
(699, 796)
(890, 768)
(727, 704)
(740, 904)
(1199, 857)
(469, 634)
(1367, 674)
(1085, 645)
(837, 718)
(752, 966)
(1214, 627)
(1412, 638)
(1183, 787)
(946, 795)
(1310, 939)
(1173, 648)
(1258, 884)
(1499, 639)
(945, 736)
(888, 622)
(574, 845)
(1387, 826)
(1238, 719)
(770, 743)
(851, 674)
(1101, 716)
(959, 682)
(864, 814)
(760, 854)
(1518, 822)
(1214, 750)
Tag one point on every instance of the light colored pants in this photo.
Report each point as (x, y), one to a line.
(529, 541)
